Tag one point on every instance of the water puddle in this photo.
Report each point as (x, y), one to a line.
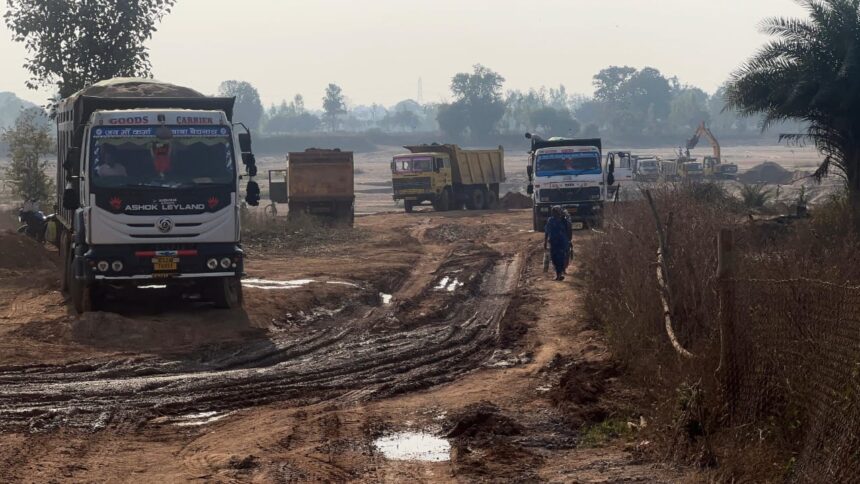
(197, 419)
(386, 298)
(343, 283)
(270, 284)
(153, 286)
(414, 446)
(449, 284)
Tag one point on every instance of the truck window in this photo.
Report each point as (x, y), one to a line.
(118, 159)
(413, 165)
(554, 164)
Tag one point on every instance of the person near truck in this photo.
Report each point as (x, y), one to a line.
(557, 237)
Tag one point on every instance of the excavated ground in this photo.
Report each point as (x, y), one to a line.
(433, 322)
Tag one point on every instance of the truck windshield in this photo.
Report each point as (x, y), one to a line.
(135, 157)
(554, 164)
(412, 165)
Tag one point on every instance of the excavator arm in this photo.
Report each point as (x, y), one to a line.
(703, 130)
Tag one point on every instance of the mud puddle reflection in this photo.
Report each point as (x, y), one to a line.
(421, 446)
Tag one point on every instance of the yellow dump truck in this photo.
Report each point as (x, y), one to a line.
(448, 177)
(321, 182)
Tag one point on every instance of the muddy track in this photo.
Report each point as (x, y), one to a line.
(344, 358)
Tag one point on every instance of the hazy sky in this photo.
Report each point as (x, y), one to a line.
(378, 49)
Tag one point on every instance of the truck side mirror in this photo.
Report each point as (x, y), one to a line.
(530, 189)
(610, 180)
(252, 195)
(250, 162)
(73, 158)
(530, 171)
(245, 142)
(71, 199)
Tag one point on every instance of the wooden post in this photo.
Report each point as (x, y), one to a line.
(727, 370)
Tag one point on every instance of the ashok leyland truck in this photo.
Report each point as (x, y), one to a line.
(570, 173)
(148, 186)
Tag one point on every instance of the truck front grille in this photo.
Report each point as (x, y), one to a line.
(402, 184)
(563, 195)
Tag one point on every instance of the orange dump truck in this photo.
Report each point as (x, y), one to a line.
(321, 182)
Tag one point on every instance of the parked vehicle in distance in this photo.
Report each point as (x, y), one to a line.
(448, 177)
(322, 183)
(691, 171)
(647, 169)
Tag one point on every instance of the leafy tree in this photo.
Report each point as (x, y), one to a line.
(74, 43)
(688, 109)
(608, 82)
(403, 119)
(555, 122)
(29, 142)
(293, 123)
(811, 72)
(479, 98)
(334, 105)
(453, 119)
(249, 109)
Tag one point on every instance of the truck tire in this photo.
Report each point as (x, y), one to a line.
(476, 199)
(65, 246)
(443, 201)
(536, 221)
(492, 201)
(226, 292)
(81, 295)
(407, 205)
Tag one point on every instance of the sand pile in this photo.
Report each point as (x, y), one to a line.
(20, 252)
(133, 87)
(767, 172)
(515, 200)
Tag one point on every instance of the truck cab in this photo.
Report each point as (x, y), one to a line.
(422, 177)
(647, 169)
(691, 171)
(569, 173)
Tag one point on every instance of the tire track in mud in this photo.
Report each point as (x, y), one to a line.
(343, 359)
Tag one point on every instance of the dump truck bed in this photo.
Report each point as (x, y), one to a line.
(470, 167)
(320, 175)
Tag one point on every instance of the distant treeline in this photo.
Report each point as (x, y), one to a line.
(631, 107)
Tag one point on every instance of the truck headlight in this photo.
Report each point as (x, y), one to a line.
(116, 266)
(103, 266)
(212, 264)
(226, 263)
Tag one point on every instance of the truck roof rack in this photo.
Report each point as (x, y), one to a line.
(539, 143)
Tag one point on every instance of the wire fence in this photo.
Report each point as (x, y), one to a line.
(796, 354)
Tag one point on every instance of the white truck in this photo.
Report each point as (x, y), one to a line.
(647, 169)
(148, 182)
(569, 173)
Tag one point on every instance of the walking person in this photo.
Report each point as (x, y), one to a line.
(557, 235)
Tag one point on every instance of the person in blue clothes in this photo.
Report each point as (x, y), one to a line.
(557, 235)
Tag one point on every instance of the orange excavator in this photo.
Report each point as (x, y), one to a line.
(713, 165)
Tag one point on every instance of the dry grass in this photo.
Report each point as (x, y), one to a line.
(684, 396)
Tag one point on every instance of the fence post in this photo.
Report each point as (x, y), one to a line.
(727, 370)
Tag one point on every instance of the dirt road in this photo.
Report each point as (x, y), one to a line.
(438, 323)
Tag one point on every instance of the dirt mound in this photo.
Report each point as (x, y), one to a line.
(20, 252)
(133, 87)
(515, 200)
(767, 172)
(481, 420)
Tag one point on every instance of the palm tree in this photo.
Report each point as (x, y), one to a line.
(811, 73)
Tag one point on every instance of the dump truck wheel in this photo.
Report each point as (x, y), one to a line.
(476, 199)
(81, 295)
(492, 200)
(407, 205)
(226, 293)
(443, 201)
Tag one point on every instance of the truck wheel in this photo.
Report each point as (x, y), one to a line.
(226, 292)
(66, 258)
(476, 199)
(81, 295)
(407, 205)
(443, 201)
(492, 202)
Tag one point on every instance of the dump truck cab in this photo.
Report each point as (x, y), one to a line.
(691, 171)
(421, 177)
(647, 169)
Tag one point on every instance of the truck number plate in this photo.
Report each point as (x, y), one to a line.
(577, 225)
(165, 263)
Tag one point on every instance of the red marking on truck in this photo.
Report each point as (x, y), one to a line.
(116, 203)
(213, 202)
